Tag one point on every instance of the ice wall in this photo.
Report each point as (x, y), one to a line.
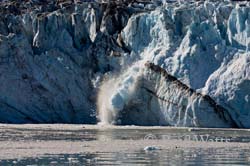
(204, 45)
(61, 61)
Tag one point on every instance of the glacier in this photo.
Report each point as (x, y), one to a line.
(126, 63)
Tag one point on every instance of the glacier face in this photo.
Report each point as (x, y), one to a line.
(204, 46)
(146, 64)
(229, 85)
(148, 95)
(46, 66)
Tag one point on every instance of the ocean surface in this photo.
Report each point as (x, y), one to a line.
(59, 145)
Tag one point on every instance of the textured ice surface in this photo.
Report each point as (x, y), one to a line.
(230, 86)
(203, 45)
(152, 97)
(58, 61)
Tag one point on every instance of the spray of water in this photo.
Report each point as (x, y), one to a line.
(116, 92)
(104, 109)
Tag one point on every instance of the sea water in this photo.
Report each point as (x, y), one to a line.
(121, 145)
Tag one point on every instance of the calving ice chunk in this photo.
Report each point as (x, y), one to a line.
(160, 99)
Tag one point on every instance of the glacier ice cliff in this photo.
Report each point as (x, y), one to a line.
(150, 96)
(147, 63)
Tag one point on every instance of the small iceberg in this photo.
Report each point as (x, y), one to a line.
(151, 148)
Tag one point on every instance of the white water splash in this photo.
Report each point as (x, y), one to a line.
(116, 92)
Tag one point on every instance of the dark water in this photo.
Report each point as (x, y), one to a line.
(177, 157)
(222, 155)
